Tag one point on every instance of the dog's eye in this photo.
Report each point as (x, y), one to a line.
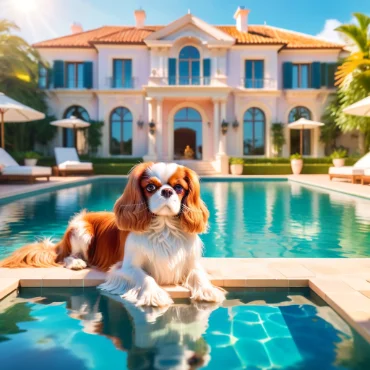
(150, 188)
(178, 188)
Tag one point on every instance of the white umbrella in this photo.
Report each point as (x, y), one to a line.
(71, 122)
(303, 124)
(360, 108)
(13, 111)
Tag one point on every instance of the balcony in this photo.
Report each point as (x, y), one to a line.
(263, 83)
(120, 83)
(181, 81)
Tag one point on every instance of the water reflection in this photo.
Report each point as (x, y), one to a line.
(250, 330)
(248, 219)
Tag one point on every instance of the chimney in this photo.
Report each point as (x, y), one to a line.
(139, 18)
(241, 17)
(76, 28)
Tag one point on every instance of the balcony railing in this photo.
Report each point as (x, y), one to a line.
(120, 83)
(263, 83)
(181, 80)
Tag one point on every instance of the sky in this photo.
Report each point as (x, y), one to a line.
(44, 19)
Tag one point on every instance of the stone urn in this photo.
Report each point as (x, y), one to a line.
(339, 162)
(30, 162)
(236, 169)
(297, 165)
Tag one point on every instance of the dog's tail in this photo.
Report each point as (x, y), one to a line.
(40, 254)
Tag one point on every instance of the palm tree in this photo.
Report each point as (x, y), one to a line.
(358, 63)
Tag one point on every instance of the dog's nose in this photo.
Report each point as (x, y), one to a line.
(166, 193)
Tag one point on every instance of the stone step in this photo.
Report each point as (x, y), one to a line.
(202, 168)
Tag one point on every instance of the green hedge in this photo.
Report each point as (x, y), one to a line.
(323, 160)
(283, 169)
(112, 168)
(50, 161)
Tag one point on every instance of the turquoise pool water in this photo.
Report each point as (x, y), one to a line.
(248, 218)
(83, 329)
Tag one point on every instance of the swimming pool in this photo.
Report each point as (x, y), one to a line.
(248, 218)
(83, 329)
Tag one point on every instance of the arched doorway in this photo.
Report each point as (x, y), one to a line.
(295, 137)
(188, 133)
(121, 131)
(254, 132)
(78, 112)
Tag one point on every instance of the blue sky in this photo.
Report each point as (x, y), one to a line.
(43, 19)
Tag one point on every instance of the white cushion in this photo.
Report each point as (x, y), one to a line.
(66, 154)
(75, 165)
(346, 170)
(6, 159)
(27, 170)
(364, 162)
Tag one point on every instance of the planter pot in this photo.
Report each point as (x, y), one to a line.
(339, 162)
(30, 162)
(297, 165)
(236, 169)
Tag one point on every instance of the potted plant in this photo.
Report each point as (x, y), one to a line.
(296, 162)
(31, 158)
(339, 157)
(236, 166)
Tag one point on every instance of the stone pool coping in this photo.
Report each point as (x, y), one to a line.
(342, 283)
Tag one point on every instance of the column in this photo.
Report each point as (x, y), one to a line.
(151, 155)
(222, 142)
(216, 126)
(159, 128)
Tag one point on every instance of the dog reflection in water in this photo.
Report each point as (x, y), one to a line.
(159, 338)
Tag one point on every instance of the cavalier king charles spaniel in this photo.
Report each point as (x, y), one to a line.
(151, 239)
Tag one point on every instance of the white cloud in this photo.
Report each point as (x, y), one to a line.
(328, 33)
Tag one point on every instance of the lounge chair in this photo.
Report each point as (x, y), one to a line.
(352, 173)
(13, 171)
(69, 163)
(365, 178)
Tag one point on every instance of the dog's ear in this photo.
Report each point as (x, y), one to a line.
(194, 214)
(131, 210)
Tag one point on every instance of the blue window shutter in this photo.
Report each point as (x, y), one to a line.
(287, 75)
(324, 74)
(207, 71)
(172, 71)
(88, 75)
(331, 69)
(50, 78)
(316, 75)
(127, 68)
(58, 74)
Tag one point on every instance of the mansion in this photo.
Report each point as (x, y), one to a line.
(216, 89)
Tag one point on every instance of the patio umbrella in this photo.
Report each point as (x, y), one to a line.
(303, 124)
(73, 123)
(13, 111)
(360, 108)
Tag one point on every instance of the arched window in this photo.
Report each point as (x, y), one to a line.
(189, 66)
(76, 111)
(121, 131)
(295, 135)
(254, 123)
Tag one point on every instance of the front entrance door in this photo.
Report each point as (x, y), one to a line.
(188, 140)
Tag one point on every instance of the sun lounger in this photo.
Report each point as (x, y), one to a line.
(365, 178)
(11, 170)
(352, 173)
(68, 162)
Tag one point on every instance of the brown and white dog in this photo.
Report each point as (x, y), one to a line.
(150, 239)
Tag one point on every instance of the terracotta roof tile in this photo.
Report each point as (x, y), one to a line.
(256, 35)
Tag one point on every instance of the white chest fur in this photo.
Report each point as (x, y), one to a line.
(166, 252)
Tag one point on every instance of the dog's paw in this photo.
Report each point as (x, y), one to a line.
(153, 296)
(208, 293)
(73, 263)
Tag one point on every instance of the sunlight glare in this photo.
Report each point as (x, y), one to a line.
(25, 6)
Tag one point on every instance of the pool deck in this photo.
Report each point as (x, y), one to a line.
(343, 283)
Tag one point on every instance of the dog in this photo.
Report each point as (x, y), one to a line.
(151, 239)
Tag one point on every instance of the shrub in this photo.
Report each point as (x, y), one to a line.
(278, 138)
(234, 160)
(296, 156)
(339, 154)
(32, 155)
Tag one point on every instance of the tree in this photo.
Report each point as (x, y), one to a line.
(278, 138)
(18, 79)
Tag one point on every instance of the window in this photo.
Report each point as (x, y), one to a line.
(189, 66)
(295, 135)
(254, 124)
(43, 77)
(75, 75)
(254, 74)
(121, 131)
(76, 111)
(301, 76)
(122, 73)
